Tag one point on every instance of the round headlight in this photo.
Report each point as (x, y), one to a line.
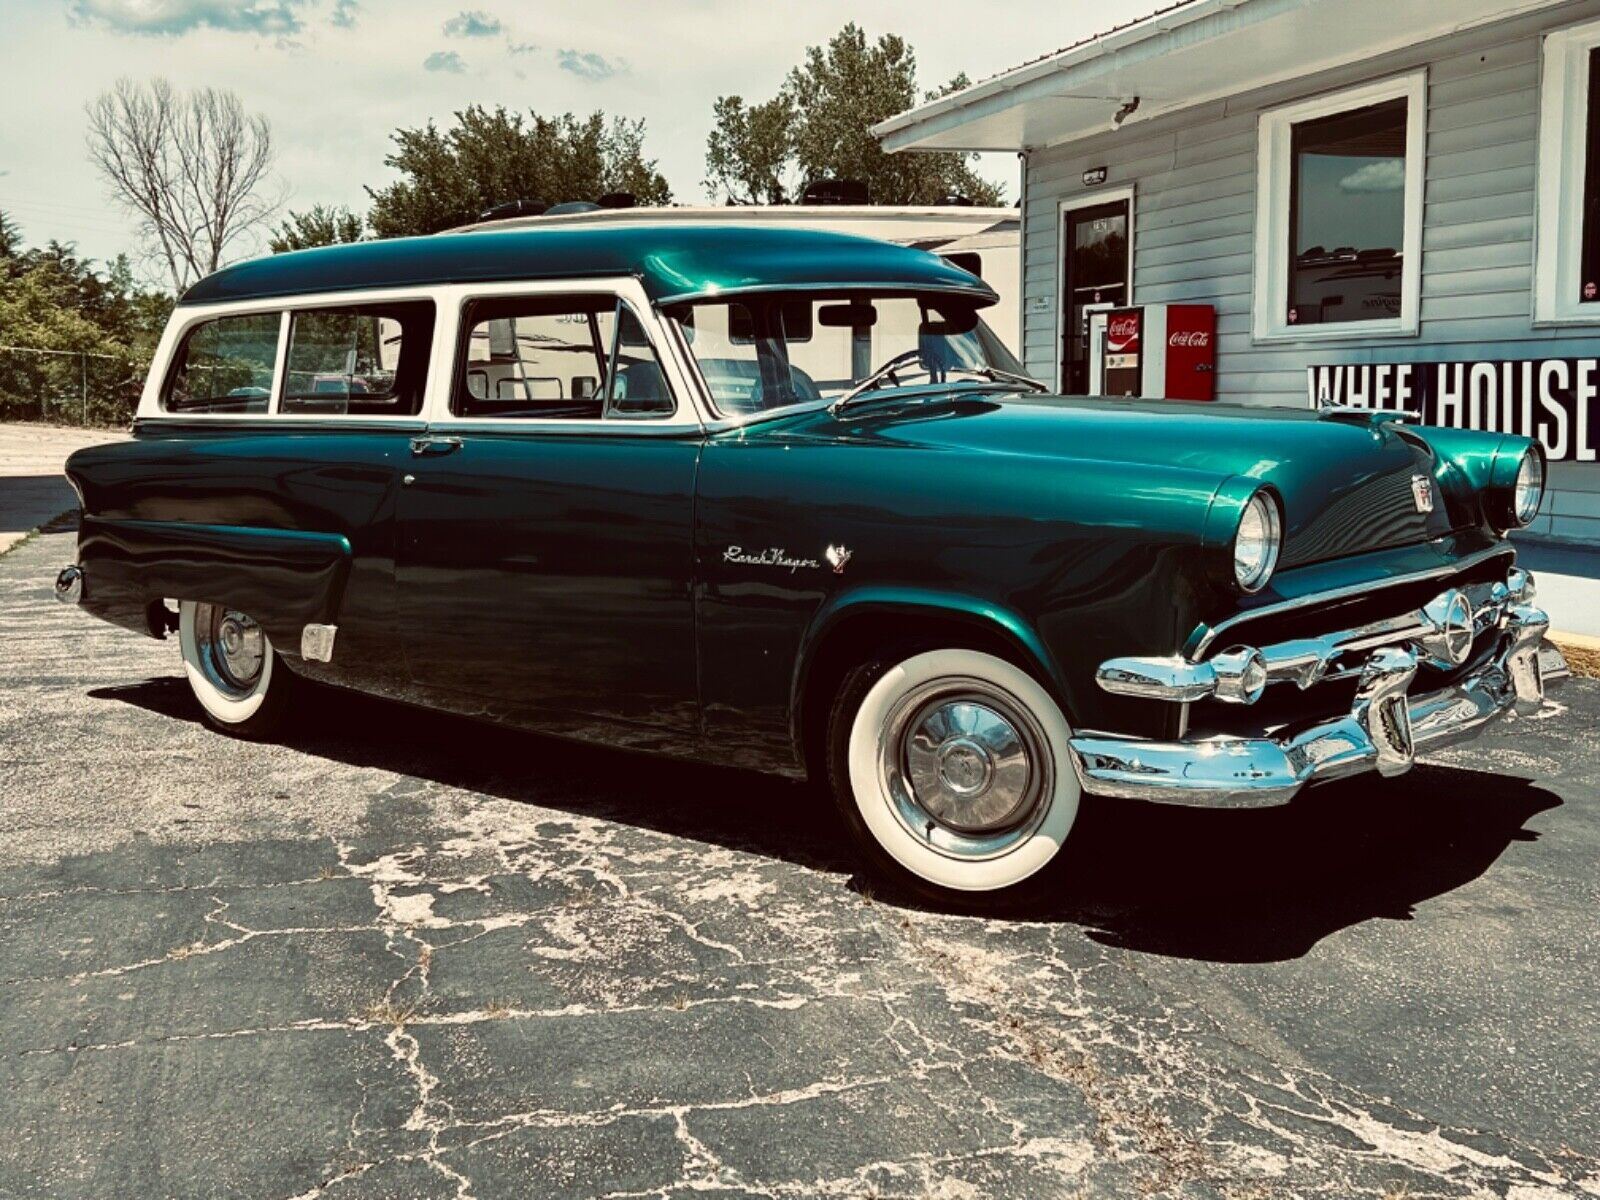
(1529, 488)
(1256, 545)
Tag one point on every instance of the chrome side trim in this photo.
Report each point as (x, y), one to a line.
(252, 422)
(1383, 731)
(1345, 593)
(1442, 632)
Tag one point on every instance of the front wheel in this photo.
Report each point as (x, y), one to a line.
(241, 683)
(951, 769)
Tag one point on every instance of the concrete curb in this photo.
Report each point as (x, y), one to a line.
(1582, 651)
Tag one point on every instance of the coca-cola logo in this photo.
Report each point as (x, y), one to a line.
(1190, 337)
(1123, 327)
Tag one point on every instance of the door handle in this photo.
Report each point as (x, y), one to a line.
(434, 445)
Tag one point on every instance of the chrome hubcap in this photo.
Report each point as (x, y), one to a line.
(965, 767)
(232, 648)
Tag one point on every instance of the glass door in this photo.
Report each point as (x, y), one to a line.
(1094, 275)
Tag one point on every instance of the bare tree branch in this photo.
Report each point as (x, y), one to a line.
(194, 170)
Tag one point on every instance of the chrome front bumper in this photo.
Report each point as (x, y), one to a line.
(1383, 730)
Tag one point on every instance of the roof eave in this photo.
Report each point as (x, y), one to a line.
(906, 130)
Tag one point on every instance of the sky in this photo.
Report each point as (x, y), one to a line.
(335, 77)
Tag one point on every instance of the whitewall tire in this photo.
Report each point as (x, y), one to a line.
(233, 670)
(951, 767)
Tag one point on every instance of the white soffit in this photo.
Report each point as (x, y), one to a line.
(1197, 52)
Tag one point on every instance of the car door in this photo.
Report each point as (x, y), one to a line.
(545, 556)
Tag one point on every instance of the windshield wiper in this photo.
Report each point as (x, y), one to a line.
(887, 371)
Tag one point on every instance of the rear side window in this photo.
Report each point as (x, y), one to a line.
(368, 361)
(224, 366)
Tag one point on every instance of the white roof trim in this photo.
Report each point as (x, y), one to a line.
(1136, 60)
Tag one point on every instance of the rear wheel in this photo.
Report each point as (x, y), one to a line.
(241, 683)
(950, 767)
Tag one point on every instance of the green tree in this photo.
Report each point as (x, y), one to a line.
(51, 300)
(819, 126)
(494, 156)
(10, 242)
(750, 154)
(317, 226)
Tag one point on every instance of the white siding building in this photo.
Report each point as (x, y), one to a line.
(1390, 201)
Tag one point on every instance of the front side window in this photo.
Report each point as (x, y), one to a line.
(358, 361)
(1348, 216)
(759, 353)
(225, 366)
(558, 358)
(1339, 213)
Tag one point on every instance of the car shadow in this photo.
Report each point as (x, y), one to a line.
(1260, 885)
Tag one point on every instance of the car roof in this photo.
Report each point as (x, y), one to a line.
(673, 262)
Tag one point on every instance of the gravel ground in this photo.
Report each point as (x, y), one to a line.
(404, 955)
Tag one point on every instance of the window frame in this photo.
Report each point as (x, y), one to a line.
(694, 409)
(186, 317)
(1562, 174)
(286, 344)
(168, 375)
(1274, 189)
(691, 404)
(469, 321)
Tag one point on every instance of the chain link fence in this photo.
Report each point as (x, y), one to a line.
(69, 387)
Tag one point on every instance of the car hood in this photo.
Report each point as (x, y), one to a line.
(1346, 485)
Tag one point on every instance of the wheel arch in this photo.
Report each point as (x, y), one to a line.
(846, 630)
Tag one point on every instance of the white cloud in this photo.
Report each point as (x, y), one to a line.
(588, 64)
(473, 24)
(1383, 175)
(173, 17)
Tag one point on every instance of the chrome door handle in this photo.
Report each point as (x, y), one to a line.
(434, 445)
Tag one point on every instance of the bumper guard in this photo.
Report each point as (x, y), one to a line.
(1383, 730)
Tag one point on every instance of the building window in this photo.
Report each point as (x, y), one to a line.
(1347, 207)
(1567, 263)
(1339, 214)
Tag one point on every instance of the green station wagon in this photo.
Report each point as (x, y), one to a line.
(779, 499)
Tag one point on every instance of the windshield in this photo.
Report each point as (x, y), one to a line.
(758, 353)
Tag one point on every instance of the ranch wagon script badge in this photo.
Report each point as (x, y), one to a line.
(837, 557)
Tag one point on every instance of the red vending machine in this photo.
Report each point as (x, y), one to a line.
(1164, 351)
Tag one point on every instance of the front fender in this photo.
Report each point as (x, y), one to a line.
(983, 615)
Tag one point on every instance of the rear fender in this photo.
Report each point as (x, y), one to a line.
(284, 579)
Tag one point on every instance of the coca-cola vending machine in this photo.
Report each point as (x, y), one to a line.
(1162, 351)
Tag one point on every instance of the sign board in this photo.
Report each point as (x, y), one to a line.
(1094, 176)
(1555, 400)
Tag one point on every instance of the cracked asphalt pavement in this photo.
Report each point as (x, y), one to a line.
(406, 955)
